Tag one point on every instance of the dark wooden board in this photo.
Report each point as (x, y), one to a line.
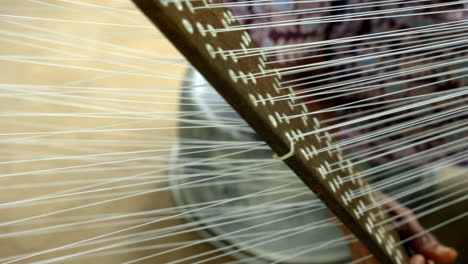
(247, 84)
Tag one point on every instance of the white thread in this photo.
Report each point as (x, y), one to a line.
(348, 195)
(253, 99)
(178, 5)
(261, 69)
(317, 136)
(399, 255)
(225, 23)
(285, 118)
(226, 16)
(252, 78)
(233, 56)
(325, 172)
(372, 216)
(314, 150)
(291, 106)
(389, 250)
(231, 15)
(309, 152)
(221, 52)
(262, 100)
(242, 45)
(340, 158)
(189, 6)
(299, 132)
(278, 116)
(293, 134)
(344, 200)
(316, 122)
(212, 30)
(273, 121)
(379, 239)
(262, 60)
(321, 172)
(370, 222)
(381, 232)
(270, 98)
(187, 25)
(244, 79)
(201, 29)
(336, 183)
(363, 206)
(210, 50)
(304, 119)
(287, 155)
(328, 137)
(275, 85)
(339, 179)
(232, 74)
(356, 214)
(246, 37)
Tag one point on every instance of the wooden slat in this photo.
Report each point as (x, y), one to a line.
(189, 26)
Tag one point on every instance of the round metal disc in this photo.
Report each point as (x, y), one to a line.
(261, 228)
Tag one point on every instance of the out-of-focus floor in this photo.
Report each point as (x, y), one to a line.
(37, 78)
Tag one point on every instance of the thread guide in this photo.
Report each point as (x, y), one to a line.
(192, 28)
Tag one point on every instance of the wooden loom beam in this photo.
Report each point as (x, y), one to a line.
(248, 85)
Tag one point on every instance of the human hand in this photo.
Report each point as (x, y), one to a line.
(428, 250)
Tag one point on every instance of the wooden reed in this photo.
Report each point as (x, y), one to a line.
(192, 31)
